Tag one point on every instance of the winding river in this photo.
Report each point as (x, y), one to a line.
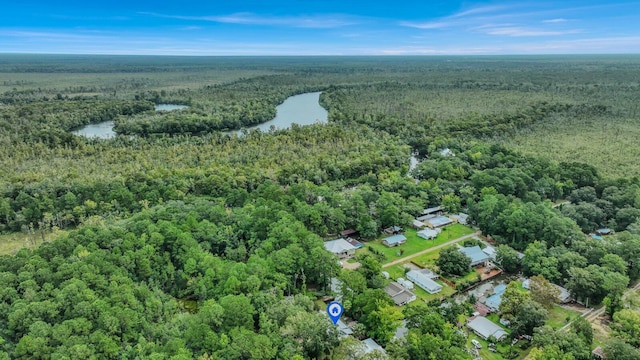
(303, 109)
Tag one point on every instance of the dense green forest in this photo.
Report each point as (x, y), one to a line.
(185, 242)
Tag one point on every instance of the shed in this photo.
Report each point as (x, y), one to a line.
(423, 278)
(432, 210)
(393, 230)
(598, 353)
(348, 232)
(341, 248)
(485, 328)
(460, 218)
(477, 256)
(604, 231)
(417, 224)
(394, 240)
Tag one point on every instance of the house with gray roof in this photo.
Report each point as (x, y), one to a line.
(341, 248)
(424, 279)
(394, 240)
(438, 222)
(428, 234)
(477, 256)
(485, 328)
(399, 294)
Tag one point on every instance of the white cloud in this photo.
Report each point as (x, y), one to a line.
(298, 21)
(554, 21)
(427, 25)
(518, 31)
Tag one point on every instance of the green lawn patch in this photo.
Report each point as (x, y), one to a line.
(11, 243)
(486, 354)
(425, 296)
(395, 271)
(415, 243)
(427, 260)
(558, 316)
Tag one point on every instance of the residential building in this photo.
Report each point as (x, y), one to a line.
(438, 222)
(399, 294)
(477, 256)
(429, 234)
(493, 301)
(394, 240)
(485, 328)
(424, 279)
(341, 248)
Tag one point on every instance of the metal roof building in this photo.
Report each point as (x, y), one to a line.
(485, 328)
(476, 255)
(394, 240)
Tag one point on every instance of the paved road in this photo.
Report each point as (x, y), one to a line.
(426, 251)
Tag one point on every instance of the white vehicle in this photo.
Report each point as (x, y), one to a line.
(476, 343)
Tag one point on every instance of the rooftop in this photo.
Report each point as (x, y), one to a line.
(440, 221)
(428, 233)
(423, 279)
(485, 328)
(395, 239)
(475, 254)
(338, 246)
(398, 293)
(431, 210)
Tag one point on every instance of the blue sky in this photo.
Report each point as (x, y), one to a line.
(320, 27)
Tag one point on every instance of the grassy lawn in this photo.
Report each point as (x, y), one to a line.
(470, 276)
(415, 243)
(486, 354)
(395, 271)
(398, 271)
(11, 243)
(427, 260)
(495, 318)
(558, 316)
(446, 292)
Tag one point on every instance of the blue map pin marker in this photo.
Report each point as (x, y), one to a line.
(335, 310)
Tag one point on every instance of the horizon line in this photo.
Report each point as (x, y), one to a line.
(321, 55)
